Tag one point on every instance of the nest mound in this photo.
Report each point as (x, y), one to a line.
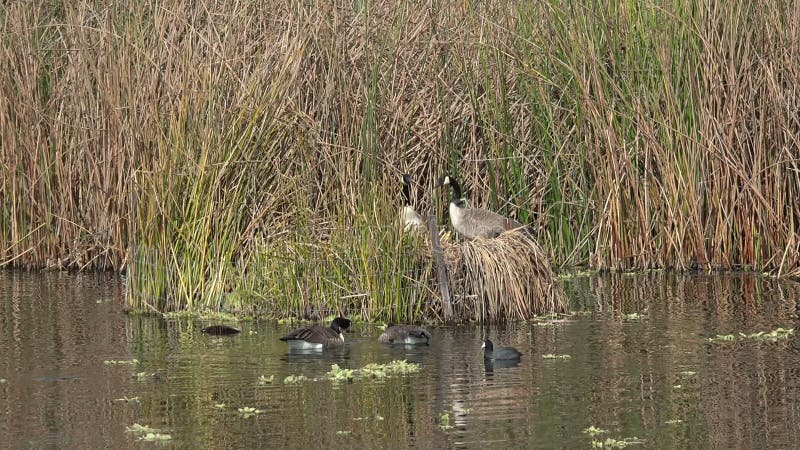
(503, 278)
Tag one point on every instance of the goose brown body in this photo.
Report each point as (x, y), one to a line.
(405, 334)
(318, 337)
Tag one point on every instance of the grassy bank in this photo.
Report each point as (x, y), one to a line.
(246, 155)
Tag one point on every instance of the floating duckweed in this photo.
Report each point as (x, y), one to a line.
(616, 443)
(339, 374)
(141, 429)
(771, 336)
(220, 405)
(343, 432)
(112, 362)
(142, 376)
(677, 386)
(552, 356)
(688, 373)
(247, 411)
(633, 316)
(152, 437)
(400, 367)
(594, 431)
(444, 421)
(397, 367)
(294, 379)
(545, 324)
(127, 399)
(673, 421)
(263, 379)
(377, 417)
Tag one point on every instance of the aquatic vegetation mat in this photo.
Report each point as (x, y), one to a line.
(373, 371)
(775, 335)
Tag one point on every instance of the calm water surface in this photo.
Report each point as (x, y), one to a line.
(656, 378)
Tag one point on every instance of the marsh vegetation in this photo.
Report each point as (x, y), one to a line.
(245, 155)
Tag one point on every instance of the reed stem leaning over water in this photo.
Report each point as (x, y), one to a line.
(264, 154)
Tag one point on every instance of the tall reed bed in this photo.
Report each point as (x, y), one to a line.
(228, 147)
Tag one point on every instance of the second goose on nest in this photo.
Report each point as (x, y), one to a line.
(405, 334)
(474, 222)
(411, 219)
(316, 337)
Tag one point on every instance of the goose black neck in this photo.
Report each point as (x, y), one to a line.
(456, 189)
(407, 194)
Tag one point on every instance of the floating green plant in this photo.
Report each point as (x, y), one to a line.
(594, 431)
(544, 324)
(339, 374)
(263, 379)
(248, 411)
(688, 373)
(444, 421)
(396, 367)
(143, 376)
(113, 362)
(294, 379)
(673, 421)
(139, 429)
(220, 405)
(127, 399)
(634, 316)
(616, 443)
(377, 417)
(155, 437)
(343, 432)
(552, 356)
(771, 336)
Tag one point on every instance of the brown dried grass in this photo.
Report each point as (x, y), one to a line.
(504, 278)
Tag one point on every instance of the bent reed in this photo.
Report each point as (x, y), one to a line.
(244, 155)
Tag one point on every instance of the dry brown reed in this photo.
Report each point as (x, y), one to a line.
(504, 278)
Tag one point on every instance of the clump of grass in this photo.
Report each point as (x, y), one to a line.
(509, 276)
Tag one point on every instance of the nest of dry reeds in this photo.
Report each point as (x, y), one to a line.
(503, 278)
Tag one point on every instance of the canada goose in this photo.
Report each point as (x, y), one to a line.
(501, 354)
(220, 330)
(411, 219)
(474, 222)
(405, 334)
(317, 337)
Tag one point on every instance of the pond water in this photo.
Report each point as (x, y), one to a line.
(640, 366)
